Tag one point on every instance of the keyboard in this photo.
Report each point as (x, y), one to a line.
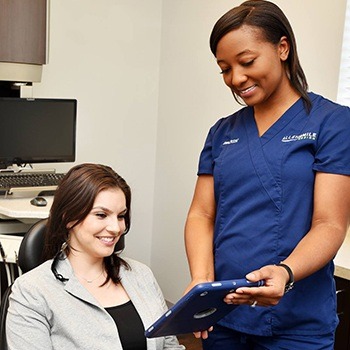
(10, 181)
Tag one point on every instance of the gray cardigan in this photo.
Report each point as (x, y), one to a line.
(46, 314)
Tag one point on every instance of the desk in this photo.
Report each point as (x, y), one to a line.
(21, 209)
(16, 217)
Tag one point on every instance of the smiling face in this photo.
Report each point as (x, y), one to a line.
(252, 67)
(97, 234)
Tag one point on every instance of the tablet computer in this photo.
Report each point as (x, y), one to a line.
(199, 309)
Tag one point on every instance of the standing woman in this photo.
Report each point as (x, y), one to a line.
(272, 198)
(85, 296)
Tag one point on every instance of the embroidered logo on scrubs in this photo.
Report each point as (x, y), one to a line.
(304, 136)
(230, 142)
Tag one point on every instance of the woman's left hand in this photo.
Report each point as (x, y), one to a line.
(275, 278)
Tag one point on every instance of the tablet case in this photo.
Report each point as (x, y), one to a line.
(199, 309)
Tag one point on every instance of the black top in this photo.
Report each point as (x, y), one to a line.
(129, 325)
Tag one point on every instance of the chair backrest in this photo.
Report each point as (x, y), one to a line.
(31, 248)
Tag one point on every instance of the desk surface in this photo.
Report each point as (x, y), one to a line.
(22, 210)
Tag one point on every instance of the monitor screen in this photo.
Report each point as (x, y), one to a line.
(37, 130)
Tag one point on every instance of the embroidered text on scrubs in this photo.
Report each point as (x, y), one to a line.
(304, 136)
(230, 142)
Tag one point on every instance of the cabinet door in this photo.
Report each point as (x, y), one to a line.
(23, 31)
(342, 337)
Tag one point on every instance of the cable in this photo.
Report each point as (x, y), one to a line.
(7, 268)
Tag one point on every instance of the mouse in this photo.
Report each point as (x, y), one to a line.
(39, 201)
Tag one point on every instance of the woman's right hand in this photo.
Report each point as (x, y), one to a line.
(203, 334)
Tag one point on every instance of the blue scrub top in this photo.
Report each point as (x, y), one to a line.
(264, 197)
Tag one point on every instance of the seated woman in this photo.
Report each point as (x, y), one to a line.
(85, 296)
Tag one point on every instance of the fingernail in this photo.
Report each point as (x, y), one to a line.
(250, 276)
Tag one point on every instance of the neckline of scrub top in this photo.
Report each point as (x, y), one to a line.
(281, 122)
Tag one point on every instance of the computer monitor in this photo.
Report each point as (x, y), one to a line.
(37, 130)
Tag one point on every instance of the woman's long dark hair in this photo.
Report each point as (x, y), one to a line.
(270, 19)
(73, 201)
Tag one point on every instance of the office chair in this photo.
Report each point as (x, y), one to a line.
(30, 256)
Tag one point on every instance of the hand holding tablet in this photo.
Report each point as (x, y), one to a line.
(199, 309)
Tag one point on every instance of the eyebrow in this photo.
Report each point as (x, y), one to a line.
(244, 52)
(108, 210)
(123, 211)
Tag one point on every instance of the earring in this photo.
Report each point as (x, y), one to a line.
(64, 246)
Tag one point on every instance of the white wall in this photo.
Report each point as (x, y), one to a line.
(148, 90)
(106, 54)
(192, 97)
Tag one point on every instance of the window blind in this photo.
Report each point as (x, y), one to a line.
(343, 96)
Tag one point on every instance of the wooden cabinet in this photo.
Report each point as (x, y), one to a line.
(23, 31)
(342, 338)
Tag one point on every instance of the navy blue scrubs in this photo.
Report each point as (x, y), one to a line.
(264, 189)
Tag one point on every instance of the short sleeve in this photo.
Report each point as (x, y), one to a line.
(333, 143)
(206, 161)
(205, 165)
